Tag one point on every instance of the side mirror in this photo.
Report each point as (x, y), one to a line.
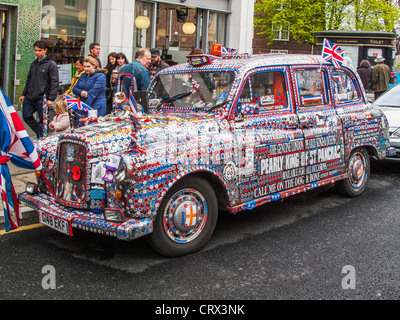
(249, 108)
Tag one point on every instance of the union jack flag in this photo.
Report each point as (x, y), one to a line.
(225, 50)
(332, 53)
(76, 104)
(15, 146)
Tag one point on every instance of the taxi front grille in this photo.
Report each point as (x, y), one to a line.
(71, 177)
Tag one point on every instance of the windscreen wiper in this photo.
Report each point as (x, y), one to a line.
(169, 99)
(219, 105)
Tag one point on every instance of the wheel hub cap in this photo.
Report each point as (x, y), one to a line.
(357, 170)
(185, 215)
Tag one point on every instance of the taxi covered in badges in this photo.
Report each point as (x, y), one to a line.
(225, 133)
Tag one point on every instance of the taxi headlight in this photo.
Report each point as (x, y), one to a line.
(31, 188)
(114, 215)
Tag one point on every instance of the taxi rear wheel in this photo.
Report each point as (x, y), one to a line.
(186, 218)
(358, 169)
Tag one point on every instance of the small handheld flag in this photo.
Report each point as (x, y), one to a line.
(76, 104)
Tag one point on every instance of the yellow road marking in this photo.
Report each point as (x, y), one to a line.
(23, 228)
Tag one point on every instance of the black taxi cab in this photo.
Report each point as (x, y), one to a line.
(221, 132)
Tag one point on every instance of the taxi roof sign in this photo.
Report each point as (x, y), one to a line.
(200, 59)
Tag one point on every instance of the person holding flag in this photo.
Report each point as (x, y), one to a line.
(17, 147)
(91, 88)
(42, 80)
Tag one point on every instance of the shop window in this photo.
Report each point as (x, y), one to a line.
(143, 24)
(267, 89)
(178, 29)
(344, 88)
(216, 28)
(311, 87)
(68, 28)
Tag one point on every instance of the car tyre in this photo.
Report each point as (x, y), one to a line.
(186, 218)
(358, 170)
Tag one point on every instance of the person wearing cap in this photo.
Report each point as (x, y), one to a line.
(380, 77)
(156, 63)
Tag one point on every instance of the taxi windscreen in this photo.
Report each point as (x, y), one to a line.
(194, 90)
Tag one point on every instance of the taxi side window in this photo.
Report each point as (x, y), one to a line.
(310, 83)
(344, 88)
(267, 89)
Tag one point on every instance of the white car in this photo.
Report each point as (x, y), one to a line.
(389, 104)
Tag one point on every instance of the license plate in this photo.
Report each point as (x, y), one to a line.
(61, 225)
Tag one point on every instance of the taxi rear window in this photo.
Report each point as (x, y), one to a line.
(267, 89)
(310, 83)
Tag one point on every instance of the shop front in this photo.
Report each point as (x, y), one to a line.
(177, 27)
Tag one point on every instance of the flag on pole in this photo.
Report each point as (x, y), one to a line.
(76, 104)
(133, 113)
(16, 146)
(45, 117)
(332, 53)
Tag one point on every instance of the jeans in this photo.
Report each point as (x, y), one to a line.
(29, 108)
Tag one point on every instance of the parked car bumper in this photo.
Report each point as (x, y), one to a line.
(65, 220)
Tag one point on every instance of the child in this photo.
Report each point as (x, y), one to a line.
(60, 123)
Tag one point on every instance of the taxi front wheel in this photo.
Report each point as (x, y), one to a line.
(358, 169)
(186, 218)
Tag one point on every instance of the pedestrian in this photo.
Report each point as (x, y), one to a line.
(168, 60)
(79, 71)
(380, 77)
(138, 69)
(122, 60)
(42, 80)
(91, 88)
(110, 67)
(60, 123)
(95, 52)
(365, 73)
(156, 64)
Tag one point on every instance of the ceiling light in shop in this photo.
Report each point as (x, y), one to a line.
(142, 22)
(189, 28)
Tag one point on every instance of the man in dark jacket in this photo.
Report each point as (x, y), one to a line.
(380, 77)
(156, 63)
(42, 80)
